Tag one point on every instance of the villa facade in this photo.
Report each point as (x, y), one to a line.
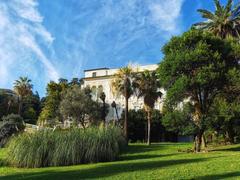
(100, 80)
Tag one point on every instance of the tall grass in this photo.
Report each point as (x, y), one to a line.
(65, 147)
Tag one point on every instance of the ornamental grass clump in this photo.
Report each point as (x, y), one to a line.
(65, 147)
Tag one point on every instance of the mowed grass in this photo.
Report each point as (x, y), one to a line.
(159, 161)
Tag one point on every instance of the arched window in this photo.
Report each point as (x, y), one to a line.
(99, 91)
(94, 92)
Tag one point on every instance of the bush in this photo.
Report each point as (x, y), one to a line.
(137, 127)
(65, 147)
(10, 125)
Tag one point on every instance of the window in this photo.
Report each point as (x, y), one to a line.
(94, 74)
(99, 90)
(94, 92)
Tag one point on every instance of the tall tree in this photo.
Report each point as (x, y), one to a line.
(75, 82)
(31, 108)
(114, 106)
(22, 88)
(147, 86)
(224, 22)
(77, 106)
(50, 111)
(8, 103)
(122, 84)
(195, 68)
(103, 98)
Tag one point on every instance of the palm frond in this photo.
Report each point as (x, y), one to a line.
(206, 14)
(228, 6)
(218, 5)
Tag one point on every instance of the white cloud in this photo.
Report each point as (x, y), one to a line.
(28, 41)
(166, 14)
(27, 10)
(20, 52)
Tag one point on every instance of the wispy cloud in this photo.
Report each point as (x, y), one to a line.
(88, 34)
(21, 52)
(119, 31)
(166, 15)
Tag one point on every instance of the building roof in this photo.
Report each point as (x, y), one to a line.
(104, 68)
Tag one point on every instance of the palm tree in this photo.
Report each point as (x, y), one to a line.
(22, 88)
(122, 84)
(114, 105)
(147, 86)
(103, 98)
(224, 22)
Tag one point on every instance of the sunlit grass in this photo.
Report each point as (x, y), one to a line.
(159, 161)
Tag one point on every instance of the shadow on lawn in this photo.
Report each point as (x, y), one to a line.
(219, 176)
(142, 148)
(102, 171)
(135, 149)
(229, 149)
(144, 156)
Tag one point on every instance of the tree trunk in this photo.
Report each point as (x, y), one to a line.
(104, 113)
(20, 106)
(8, 108)
(149, 128)
(200, 142)
(204, 143)
(126, 119)
(117, 113)
(229, 137)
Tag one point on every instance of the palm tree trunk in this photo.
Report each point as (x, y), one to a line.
(104, 113)
(20, 105)
(8, 108)
(149, 128)
(126, 119)
(116, 113)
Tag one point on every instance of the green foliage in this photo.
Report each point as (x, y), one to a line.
(78, 106)
(31, 108)
(224, 22)
(225, 118)
(122, 82)
(10, 124)
(179, 120)
(195, 68)
(50, 112)
(194, 61)
(13, 118)
(8, 104)
(147, 86)
(65, 147)
(22, 88)
(138, 126)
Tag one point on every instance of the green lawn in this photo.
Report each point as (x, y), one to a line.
(159, 161)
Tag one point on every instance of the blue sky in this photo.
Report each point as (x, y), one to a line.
(49, 39)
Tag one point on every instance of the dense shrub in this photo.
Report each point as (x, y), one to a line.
(65, 147)
(137, 127)
(10, 125)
